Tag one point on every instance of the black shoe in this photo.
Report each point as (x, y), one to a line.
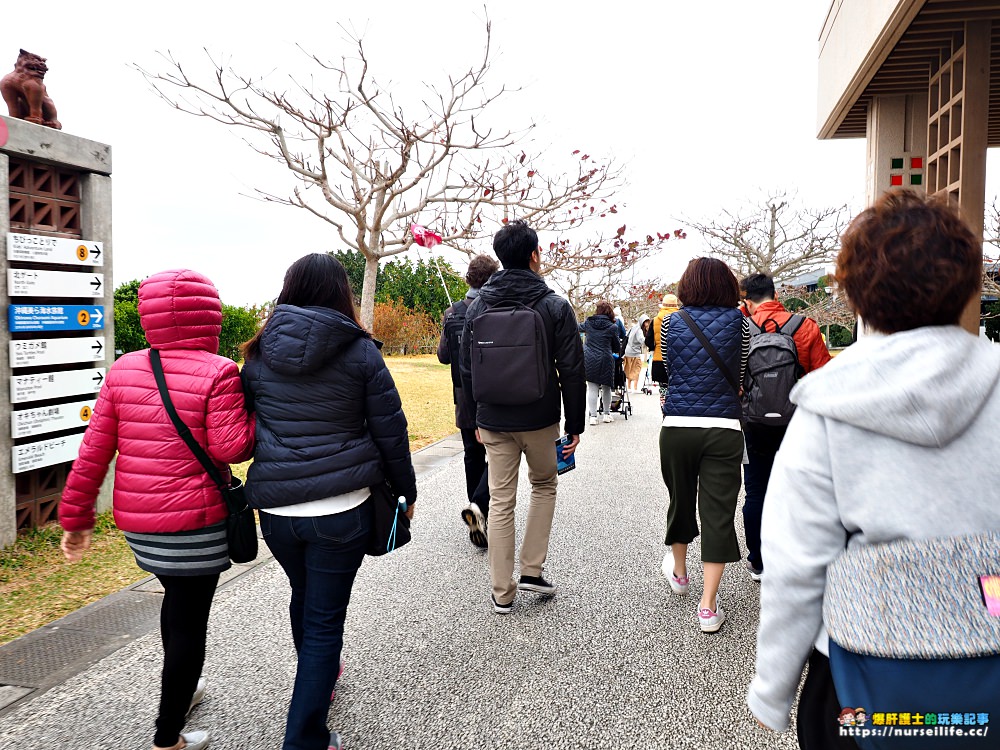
(502, 609)
(537, 584)
(476, 522)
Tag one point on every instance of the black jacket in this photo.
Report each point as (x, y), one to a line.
(454, 319)
(329, 418)
(598, 353)
(566, 376)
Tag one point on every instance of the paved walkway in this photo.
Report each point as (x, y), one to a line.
(613, 661)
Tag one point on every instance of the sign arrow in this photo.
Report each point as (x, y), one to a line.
(98, 346)
(97, 316)
(96, 283)
(96, 252)
(98, 377)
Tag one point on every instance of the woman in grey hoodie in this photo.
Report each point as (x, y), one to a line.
(893, 442)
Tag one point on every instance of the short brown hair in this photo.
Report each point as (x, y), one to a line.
(909, 261)
(480, 269)
(708, 282)
(604, 308)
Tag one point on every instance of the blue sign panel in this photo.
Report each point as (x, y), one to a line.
(55, 317)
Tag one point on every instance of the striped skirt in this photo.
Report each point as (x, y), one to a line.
(182, 553)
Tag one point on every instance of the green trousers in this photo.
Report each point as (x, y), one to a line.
(701, 469)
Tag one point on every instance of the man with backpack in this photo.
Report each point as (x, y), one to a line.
(476, 513)
(783, 348)
(521, 361)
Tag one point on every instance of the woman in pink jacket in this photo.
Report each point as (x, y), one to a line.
(170, 510)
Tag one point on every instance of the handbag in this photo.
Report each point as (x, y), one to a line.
(241, 525)
(390, 525)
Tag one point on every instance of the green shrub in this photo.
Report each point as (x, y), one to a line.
(239, 324)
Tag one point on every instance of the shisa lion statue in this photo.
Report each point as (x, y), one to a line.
(24, 92)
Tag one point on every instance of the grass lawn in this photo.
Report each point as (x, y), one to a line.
(38, 586)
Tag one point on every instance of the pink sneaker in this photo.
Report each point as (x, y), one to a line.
(678, 584)
(339, 672)
(711, 621)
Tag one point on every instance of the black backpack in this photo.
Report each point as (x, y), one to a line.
(454, 322)
(773, 369)
(509, 354)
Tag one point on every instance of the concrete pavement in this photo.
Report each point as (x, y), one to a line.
(613, 661)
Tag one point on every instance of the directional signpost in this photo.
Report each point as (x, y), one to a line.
(45, 385)
(38, 420)
(55, 317)
(29, 283)
(38, 249)
(55, 351)
(45, 453)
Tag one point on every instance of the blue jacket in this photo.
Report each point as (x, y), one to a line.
(329, 418)
(696, 387)
(598, 353)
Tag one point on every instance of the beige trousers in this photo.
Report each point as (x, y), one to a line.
(503, 453)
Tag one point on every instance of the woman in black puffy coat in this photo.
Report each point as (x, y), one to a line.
(329, 426)
(599, 352)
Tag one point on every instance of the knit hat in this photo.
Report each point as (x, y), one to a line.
(670, 300)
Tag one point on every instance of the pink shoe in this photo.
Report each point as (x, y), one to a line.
(339, 672)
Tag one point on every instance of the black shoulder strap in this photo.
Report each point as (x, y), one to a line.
(709, 348)
(183, 430)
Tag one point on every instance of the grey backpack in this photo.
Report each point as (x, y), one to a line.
(773, 369)
(509, 354)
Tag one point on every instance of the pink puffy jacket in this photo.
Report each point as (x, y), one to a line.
(159, 484)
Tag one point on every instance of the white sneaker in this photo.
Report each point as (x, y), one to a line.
(593, 421)
(195, 740)
(199, 694)
(608, 418)
(678, 584)
(711, 621)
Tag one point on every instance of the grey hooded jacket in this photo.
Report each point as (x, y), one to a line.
(895, 439)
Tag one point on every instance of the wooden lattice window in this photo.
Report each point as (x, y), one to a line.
(44, 199)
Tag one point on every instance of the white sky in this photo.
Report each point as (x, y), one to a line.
(707, 104)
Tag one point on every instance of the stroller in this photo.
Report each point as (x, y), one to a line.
(647, 383)
(620, 402)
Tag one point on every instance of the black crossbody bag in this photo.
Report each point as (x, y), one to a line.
(241, 526)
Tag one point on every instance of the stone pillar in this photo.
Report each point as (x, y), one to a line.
(95, 224)
(8, 491)
(897, 137)
(91, 162)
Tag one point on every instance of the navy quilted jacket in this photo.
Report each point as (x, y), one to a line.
(696, 387)
(329, 418)
(598, 353)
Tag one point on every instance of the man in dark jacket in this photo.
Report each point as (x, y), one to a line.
(477, 488)
(511, 430)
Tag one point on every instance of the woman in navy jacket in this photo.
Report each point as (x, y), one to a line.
(329, 426)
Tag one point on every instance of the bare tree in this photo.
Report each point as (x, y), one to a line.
(775, 237)
(603, 268)
(991, 250)
(369, 168)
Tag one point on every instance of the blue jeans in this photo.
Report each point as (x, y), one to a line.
(321, 556)
(762, 445)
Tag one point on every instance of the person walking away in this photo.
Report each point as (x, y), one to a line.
(330, 426)
(516, 392)
(599, 358)
(476, 513)
(763, 439)
(887, 474)
(701, 444)
(171, 512)
(622, 330)
(657, 372)
(632, 356)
